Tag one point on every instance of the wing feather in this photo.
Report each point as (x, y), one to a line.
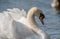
(17, 13)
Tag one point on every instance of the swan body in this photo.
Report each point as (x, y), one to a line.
(24, 27)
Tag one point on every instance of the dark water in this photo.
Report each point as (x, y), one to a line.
(52, 20)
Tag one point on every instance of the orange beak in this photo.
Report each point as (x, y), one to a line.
(41, 19)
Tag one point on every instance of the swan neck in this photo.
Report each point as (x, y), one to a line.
(34, 26)
(31, 18)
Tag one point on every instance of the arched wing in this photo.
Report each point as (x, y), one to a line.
(16, 13)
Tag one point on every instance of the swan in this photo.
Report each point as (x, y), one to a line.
(27, 28)
(56, 5)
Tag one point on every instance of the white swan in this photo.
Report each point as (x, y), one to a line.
(27, 28)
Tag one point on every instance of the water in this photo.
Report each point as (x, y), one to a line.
(52, 20)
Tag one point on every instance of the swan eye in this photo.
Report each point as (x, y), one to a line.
(42, 15)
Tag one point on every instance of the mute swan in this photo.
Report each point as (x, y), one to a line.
(56, 5)
(27, 28)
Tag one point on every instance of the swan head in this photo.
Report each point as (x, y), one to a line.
(38, 13)
(41, 17)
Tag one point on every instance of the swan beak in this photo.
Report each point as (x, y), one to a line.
(41, 19)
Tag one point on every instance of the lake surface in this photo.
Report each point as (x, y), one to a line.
(52, 20)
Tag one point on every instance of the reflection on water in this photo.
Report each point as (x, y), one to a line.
(56, 6)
